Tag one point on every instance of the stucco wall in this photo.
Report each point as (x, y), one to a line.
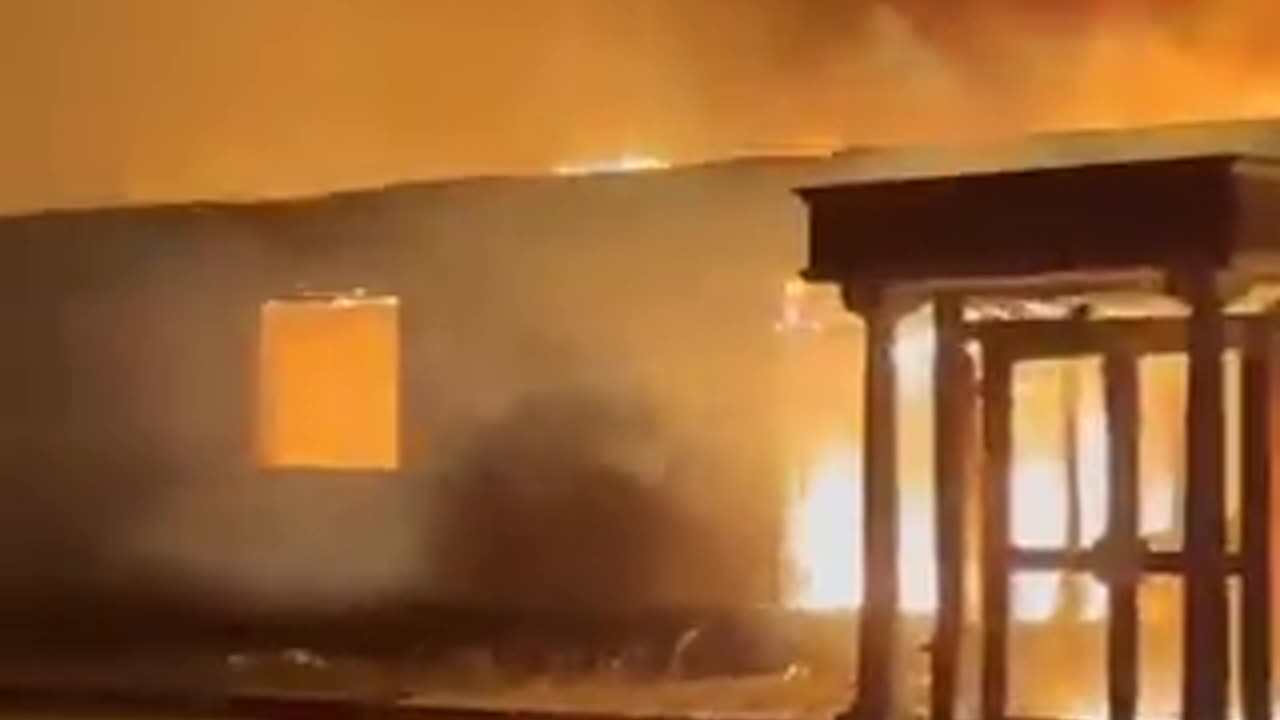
(590, 377)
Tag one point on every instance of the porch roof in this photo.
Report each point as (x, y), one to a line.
(1216, 209)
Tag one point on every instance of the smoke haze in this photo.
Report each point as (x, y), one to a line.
(160, 100)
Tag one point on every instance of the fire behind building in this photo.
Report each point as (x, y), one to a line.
(598, 395)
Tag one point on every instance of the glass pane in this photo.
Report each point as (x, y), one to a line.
(1038, 499)
(913, 358)
(1234, 638)
(1160, 610)
(1232, 407)
(1056, 616)
(1161, 448)
(1059, 476)
(329, 383)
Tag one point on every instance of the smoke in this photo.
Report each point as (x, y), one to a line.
(908, 70)
(284, 540)
(565, 501)
(151, 100)
(145, 100)
(567, 498)
(588, 387)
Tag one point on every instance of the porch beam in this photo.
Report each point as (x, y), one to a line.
(1150, 562)
(1032, 339)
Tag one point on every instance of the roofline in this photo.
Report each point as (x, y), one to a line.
(857, 163)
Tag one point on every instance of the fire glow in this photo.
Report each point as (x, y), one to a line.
(624, 164)
(1059, 488)
(824, 519)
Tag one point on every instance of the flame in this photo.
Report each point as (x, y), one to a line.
(825, 542)
(824, 545)
(627, 163)
(824, 522)
(825, 519)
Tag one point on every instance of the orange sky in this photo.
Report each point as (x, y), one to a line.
(145, 100)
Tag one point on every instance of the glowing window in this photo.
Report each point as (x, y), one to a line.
(329, 382)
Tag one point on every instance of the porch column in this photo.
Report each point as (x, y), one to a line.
(1255, 501)
(1204, 683)
(997, 438)
(1122, 556)
(953, 410)
(878, 631)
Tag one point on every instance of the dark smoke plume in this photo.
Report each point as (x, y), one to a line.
(563, 503)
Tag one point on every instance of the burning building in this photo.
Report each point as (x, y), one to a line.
(606, 393)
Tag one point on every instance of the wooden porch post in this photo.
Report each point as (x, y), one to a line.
(1122, 555)
(1204, 684)
(997, 390)
(878, 632)
(1255, 501)
(953, 402)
